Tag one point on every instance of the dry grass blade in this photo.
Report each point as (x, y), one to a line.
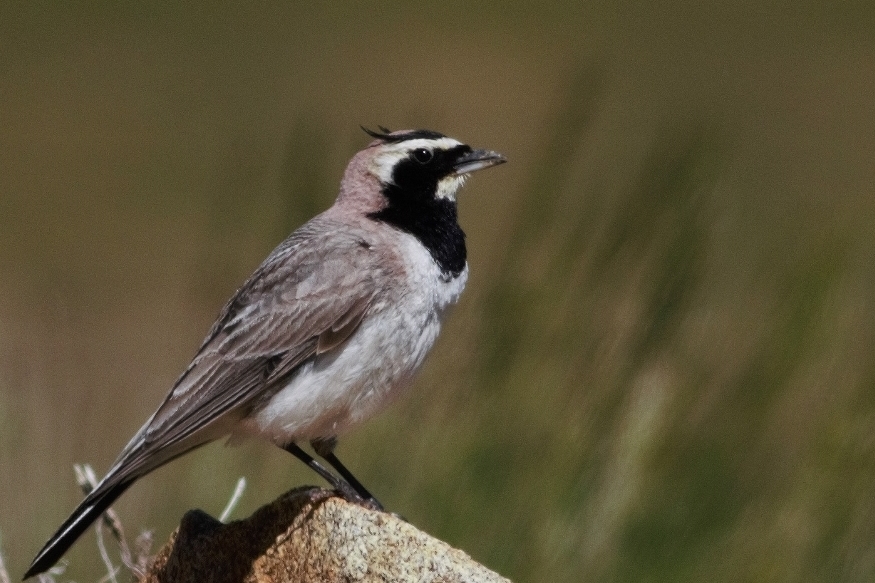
(234, 500)
(144, 552)
(4, 574)
(111, 569)
(87, 480)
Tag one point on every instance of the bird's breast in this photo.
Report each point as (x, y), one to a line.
(342, 387)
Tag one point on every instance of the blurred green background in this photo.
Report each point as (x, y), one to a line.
(662, 368)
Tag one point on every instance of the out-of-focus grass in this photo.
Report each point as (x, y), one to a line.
(662, 367)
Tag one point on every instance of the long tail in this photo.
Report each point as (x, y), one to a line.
(85, 514)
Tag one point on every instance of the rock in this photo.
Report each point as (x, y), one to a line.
(310, 535)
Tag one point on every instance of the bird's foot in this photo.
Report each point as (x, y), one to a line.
(349, 494)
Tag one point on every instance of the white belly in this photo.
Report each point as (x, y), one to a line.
(343, 387)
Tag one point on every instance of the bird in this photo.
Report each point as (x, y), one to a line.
(326, 332)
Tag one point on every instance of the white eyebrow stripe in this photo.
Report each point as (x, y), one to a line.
(383, 163)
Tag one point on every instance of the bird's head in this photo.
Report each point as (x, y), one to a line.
(413, 167)
(424, 162)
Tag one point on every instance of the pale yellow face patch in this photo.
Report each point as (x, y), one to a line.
(448, 186)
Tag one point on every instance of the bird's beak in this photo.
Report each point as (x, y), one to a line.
(477, 160)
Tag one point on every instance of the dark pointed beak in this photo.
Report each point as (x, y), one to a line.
(477, 160)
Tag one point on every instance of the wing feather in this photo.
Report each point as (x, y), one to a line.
(307, 297)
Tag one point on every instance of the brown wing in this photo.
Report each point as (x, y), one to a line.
(308, 296)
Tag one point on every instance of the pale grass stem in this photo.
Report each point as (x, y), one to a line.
(4, 574)
(87, 480)
(235, 499)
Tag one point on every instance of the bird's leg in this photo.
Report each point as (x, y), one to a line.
(325, 449)
(346, 490)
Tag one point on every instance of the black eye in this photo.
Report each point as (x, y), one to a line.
(422, 155)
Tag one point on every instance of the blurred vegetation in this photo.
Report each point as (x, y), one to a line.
(662, 369)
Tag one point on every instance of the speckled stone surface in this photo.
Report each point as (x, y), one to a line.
(310, 535)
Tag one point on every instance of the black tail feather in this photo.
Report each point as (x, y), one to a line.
(85, 514)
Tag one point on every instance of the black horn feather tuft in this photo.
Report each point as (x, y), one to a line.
(395, 137)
